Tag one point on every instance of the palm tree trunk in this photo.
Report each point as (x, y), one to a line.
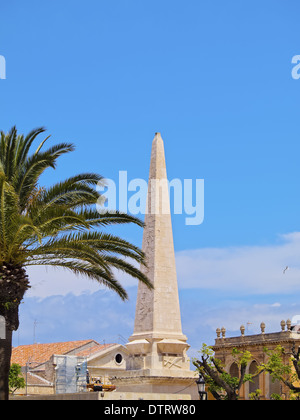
(5, 356)
(13, 285)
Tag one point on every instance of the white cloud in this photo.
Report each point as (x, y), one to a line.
(245, 269)
(218, 287)
(201, 320)
(242, 270)
(49, 281)
(250, 315)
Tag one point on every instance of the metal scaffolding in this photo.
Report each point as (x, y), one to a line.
(71, 374)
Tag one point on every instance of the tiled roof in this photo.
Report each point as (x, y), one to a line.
(88, 352)
(41, 353)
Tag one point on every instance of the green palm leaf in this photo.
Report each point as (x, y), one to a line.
(58, 225)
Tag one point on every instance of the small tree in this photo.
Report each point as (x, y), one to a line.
(279, 369)
(221, 384)
(16, 380)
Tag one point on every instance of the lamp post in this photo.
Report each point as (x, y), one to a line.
(201, 388)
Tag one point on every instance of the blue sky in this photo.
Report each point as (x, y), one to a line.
(214, 78)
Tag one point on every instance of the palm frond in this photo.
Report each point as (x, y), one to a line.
(84, 269)
(106, 218)
(59, 225)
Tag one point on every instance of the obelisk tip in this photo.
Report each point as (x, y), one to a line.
(157, 136)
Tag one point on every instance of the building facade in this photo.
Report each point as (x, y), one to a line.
(256, 345)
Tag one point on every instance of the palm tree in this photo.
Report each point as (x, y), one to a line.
(55, 226)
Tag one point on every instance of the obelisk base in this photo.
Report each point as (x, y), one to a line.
(157, 382)
(157, 365)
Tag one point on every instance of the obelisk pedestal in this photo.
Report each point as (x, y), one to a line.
(157, 359)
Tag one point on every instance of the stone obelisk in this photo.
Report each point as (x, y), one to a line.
(157, 360)
(158, 310)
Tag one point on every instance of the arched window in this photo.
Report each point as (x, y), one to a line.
(254, 385)
(274, 386)
(234, 370)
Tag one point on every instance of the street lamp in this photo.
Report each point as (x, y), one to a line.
(201, 388)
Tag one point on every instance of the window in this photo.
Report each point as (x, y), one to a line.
(253, 386)
(234, 370)
(119, 358)
(274, 386)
